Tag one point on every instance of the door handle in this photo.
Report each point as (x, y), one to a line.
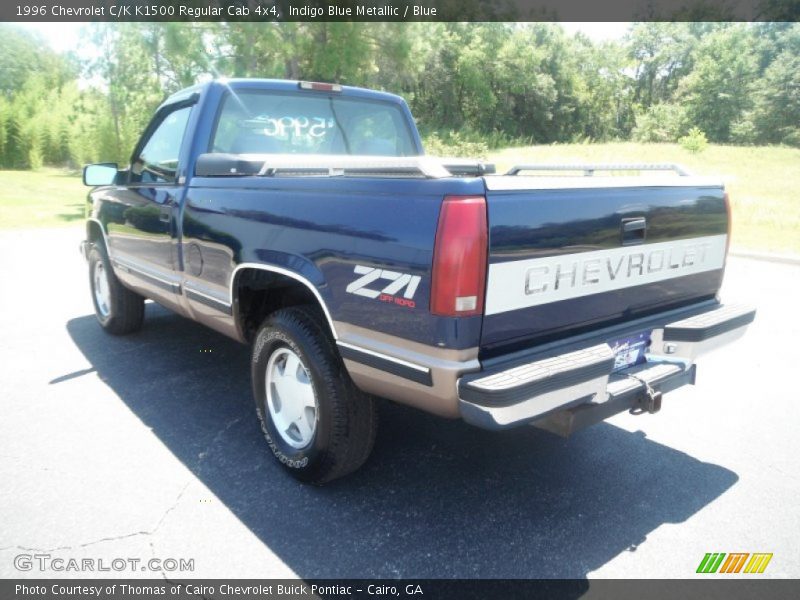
(633, 231)
(165, 214)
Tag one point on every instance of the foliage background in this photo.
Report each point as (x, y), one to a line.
(473, 87)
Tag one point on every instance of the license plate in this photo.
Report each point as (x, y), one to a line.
(629, 351)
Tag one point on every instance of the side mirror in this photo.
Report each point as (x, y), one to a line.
(100, 174)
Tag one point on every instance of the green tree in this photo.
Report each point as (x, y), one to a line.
(662, 53)
(470, 85)
(777, 101)
(23, 54)
(719, 88)
(606, 89)
(134, 87)
(4, 116)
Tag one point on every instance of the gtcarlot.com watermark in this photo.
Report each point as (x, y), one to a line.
(48, 563)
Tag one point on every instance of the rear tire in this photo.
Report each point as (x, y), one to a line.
(118, 310)
(316, 422)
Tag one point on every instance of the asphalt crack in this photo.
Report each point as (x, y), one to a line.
(202, 456)
(115, 538)
(83, 545)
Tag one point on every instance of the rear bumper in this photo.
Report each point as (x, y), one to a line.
(571, 385)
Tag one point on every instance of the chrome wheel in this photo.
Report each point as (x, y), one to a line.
(102, 294)
(291, 401)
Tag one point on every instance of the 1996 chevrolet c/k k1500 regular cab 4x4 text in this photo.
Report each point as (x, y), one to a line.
(305, 220)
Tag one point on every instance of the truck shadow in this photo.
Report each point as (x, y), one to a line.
(437, 499)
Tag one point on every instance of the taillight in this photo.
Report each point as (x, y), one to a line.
(459, 257)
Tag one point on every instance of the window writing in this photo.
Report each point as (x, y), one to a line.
(268, 122)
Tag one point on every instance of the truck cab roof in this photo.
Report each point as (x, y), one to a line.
(286, 85)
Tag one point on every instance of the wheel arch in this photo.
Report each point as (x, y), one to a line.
(253, 298)
(95, 231)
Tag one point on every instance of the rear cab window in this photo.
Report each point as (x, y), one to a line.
(273, 122)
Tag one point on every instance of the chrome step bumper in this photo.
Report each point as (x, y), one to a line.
(558, 391)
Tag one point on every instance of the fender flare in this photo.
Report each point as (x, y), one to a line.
(288, 273)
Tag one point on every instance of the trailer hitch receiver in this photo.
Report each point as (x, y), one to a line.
(649, 400)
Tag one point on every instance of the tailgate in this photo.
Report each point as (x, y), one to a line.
(570, 254)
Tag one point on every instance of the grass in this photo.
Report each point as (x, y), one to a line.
(763, 182)
(43, 198)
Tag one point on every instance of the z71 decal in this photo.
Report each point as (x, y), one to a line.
(389, 293)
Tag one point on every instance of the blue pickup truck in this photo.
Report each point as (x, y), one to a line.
(304, 219)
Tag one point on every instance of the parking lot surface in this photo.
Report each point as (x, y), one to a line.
(148, 446)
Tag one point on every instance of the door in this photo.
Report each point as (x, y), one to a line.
(142, 231)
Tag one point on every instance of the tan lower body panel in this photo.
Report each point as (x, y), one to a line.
(445, 367)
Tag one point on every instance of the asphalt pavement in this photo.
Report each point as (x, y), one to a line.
(147, 446)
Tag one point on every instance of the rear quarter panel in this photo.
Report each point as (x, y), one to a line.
(322, 229)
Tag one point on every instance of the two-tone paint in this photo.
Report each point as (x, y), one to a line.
(321, 232)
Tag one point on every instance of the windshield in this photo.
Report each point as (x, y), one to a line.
(263, 121)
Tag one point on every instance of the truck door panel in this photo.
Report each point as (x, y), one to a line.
(142, 235)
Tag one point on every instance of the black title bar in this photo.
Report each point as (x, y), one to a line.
(398, 10)
(399, 589)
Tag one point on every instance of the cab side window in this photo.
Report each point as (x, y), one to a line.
(158, 160)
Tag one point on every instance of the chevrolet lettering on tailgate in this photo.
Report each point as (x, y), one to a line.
(570, 276)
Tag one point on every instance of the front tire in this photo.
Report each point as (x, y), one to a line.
(118, 310)
(316, 422)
